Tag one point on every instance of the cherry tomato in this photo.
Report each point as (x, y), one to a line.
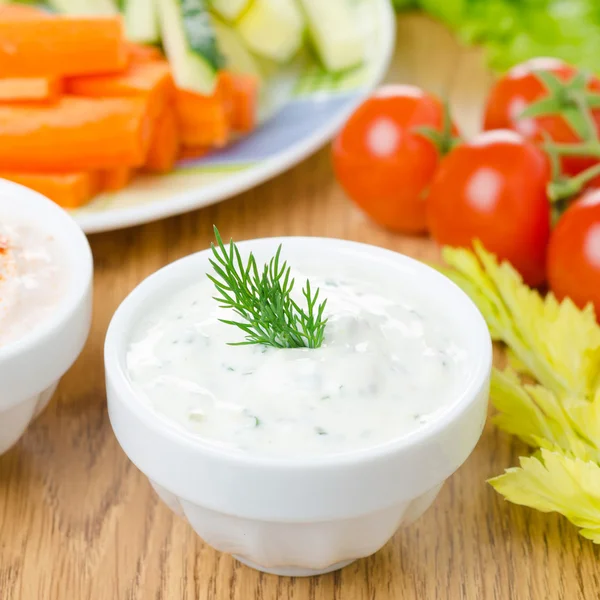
(519, 88)
(493, 188)
(574, 252)
(383, 163)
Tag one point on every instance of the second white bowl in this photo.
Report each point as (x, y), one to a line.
(32, 365)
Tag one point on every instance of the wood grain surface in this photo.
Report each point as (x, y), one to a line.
(78, 521)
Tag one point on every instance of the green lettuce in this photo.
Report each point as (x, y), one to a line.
(558, 346)
(512, 31)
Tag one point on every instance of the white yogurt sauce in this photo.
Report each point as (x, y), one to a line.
(387, 366)
(32, 282)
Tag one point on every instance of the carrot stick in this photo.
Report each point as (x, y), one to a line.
(224, 91)
(113, 180)
(69, 190)
(75, 134)
(245, 101)
(152, 80)
(164, 146)
(61, 46)
(205, 120)
(189, 152)
(202, 120)
(30, 89)
(143, 53)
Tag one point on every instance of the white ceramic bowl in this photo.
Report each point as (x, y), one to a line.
(299, 516)
(31, 366)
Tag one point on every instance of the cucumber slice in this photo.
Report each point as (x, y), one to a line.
(84, 7)
(335, 30)
(190, 44)
(141, 21)
(229, 9)
(272, 28)
(238, 58)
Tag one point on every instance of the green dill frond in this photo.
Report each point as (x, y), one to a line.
(261, 298)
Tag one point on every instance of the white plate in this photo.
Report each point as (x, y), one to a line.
(306, 107)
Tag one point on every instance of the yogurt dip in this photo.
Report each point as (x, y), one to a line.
(33, 279)
(249, 471)
(390, 362)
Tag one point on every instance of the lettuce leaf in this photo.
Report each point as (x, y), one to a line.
(558, 344)
(404, 4)
(450, 12)
(512, 31)
(554, 481)
(542, 420)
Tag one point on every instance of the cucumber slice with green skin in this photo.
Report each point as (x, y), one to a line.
(272, 28)
(335, 30)
(190, 44)
(84, 7)
(238, 58)
(141, 21)
(229, 9)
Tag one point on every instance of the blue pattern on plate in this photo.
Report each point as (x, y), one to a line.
(294, 122)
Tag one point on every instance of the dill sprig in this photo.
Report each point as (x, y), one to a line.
(262, 298)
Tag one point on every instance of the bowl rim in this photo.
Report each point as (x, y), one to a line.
(120, 328)
(75, 243)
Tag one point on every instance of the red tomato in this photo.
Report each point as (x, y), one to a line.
(493, 188)
(382, 163)
(574, 253)
(518, 89)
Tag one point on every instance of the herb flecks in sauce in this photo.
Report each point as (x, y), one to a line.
(270, 316)
(301, 401)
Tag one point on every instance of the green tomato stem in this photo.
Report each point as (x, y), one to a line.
(561, 190)
(444, 141)
(586, 113)
(587, 149)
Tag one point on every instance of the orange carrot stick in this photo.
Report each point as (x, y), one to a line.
(205, 120)
(224, 91)
(202, 120)
(113, 180)
(142, 53)
(69, 190)
(30, 89)
(60, 46)
(152, 80)
(75, 134)
(245, 102)
(164, 146)
(190, 152)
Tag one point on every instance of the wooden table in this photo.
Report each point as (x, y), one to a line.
(78, 521)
